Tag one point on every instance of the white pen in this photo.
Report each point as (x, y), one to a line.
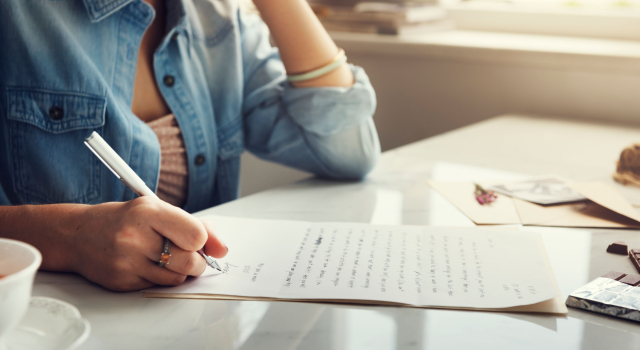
(122, 171)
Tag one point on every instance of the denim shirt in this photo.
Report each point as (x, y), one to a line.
(67, 69)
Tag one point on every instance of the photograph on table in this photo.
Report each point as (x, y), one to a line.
(545, 190)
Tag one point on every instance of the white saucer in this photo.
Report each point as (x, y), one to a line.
(50, 324)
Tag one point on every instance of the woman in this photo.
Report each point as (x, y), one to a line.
(196, 80)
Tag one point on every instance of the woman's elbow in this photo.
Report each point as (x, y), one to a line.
(349, 160)
(357, 168)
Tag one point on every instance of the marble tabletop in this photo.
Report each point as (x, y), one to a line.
(396, 192)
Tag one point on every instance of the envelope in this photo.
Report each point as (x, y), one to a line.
(460, 194)
(606, 208)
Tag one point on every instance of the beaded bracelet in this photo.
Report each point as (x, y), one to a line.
(333, 65)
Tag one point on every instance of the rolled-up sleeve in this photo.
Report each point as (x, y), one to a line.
(327, 131)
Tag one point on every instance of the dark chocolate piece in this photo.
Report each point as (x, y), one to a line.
(614, 275)
(634, 256)
(617, 247)
(632, 280)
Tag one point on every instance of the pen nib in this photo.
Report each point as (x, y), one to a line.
(214, 264)
(210, 261)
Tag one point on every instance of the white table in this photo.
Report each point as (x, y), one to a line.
(396, 192)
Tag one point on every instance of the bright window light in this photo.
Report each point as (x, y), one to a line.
(555, 4)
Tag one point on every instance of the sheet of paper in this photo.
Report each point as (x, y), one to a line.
(411, 265)
(500, 212)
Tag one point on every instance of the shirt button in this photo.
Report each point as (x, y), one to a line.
(199, 159)
(56, 113)
(169, 80)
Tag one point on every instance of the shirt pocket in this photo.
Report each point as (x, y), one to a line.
(47, 129)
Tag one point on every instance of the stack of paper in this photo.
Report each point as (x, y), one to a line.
(394, 17)
(595, 205)
(374, 264)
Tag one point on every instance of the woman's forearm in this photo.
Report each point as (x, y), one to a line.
(303, 43)
(47, 227)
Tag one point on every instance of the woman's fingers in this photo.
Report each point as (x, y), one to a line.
(135, 283)
(160, 275)
(214, 247)
(121, 280)
(150, 221)
(186, 263)
(180, 227)
(181, 261)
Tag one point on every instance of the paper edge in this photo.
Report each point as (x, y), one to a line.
(342, 302)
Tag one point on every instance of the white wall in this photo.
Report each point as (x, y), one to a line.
(419, 98)
(256, 175)
(424, 94)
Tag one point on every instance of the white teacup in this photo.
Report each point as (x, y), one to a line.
(18, 264)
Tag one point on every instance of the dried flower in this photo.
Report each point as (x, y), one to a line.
(484, 196)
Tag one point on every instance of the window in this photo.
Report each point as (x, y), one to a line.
(611, 19)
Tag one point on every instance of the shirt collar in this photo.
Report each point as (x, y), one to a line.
(100, 9)
(177, 21)
(176, 13)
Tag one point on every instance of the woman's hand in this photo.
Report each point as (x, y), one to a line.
(116, 245)
(119, 244)
(303, 43)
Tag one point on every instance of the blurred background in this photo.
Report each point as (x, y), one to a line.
(440, 65)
